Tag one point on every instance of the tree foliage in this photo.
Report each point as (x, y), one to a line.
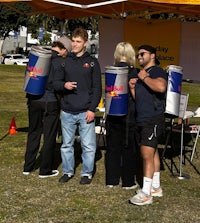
(11, 20)
(20, 14)
(46, 40)
(89, 23)
(42, 20)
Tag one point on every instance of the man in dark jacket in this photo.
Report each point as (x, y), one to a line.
(80, 82)
(43, 113)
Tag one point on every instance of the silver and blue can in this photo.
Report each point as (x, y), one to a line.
(174, 86)
(37, 70)
(116, 90)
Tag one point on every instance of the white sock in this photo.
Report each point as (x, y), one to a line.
(156, 180)
(147, 182)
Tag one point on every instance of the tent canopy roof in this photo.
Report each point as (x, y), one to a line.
(120, 9)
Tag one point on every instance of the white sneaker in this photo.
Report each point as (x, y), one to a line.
(141, 198)
(26, 173)
(52, 174)
(156, 192)
(110, 186)
(131, 187)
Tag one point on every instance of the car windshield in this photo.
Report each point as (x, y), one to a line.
(18, 57)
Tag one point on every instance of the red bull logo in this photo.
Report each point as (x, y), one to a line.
(115, 88)
(113, 91)
(86, 65)
(113, 94)
(31, 74)
(33, 69)
(116, 85)
(37, 70)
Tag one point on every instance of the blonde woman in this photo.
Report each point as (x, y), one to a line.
(120, 157)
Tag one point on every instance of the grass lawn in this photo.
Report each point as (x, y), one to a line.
(29, 199)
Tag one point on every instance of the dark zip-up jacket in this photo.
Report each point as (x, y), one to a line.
(86, 71)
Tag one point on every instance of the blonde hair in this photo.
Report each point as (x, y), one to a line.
(124, 52)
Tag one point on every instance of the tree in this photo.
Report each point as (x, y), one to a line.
(41, 20)
(11, 20)
(48, 23)
(46, 40)
(89, 23)
(20, 14)
(14, 16)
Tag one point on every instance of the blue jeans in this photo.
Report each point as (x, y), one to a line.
(69, 123)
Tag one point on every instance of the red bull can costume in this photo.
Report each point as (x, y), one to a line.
(116, 89)
(37, 71)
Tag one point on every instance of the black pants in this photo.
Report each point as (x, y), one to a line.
(120, 157)
(43, 118)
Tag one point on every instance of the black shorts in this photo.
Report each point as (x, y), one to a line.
(149, 132)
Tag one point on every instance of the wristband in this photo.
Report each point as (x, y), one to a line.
(145, 77)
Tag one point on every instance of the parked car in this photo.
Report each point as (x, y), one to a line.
(17, 59)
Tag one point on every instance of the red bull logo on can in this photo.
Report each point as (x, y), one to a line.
(116, 89)
(37, 71)
(33, 72)
(113, 94)
(33, 69)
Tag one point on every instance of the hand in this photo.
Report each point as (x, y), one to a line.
(132, 82)
(143, 74)
(90, 116)
(70, 85)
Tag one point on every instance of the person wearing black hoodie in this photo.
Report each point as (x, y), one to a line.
(43, 114)
(80, 83)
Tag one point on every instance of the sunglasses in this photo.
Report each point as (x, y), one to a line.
(142, 54)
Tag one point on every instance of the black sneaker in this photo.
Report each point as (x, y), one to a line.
(65, 178)
(52, 174)
(86, 180)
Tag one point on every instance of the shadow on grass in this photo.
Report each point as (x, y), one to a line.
(172, 150)
(3, 137)
(77, 155)
(23, 129)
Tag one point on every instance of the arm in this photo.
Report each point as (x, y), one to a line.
(132, 83)
(59, 77)
(96, 86)
(158, 84)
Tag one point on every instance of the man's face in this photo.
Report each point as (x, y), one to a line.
(78, 45)
(61, 52)
(144, 57)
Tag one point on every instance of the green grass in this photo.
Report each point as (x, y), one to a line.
(28, 199)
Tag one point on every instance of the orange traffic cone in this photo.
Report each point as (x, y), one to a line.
(12, 129)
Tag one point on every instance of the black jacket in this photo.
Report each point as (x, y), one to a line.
(86, 71)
